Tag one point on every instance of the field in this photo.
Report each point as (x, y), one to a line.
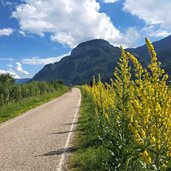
(126, 125)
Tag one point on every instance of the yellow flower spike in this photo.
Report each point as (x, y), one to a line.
(153, 139)
(143, 133)
(151, 50)
(138, 67)
(146, 157)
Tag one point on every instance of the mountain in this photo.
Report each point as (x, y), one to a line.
(87, 59)
(22, 80)
(163, 50)
(98, 56)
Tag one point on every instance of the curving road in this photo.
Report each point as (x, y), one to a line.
(40, 138)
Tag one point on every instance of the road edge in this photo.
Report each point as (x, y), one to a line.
(62, 158)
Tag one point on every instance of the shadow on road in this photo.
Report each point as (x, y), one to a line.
(60, 152)
(73, 123)
(64, 132)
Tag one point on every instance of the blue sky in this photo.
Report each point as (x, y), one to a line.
(37, 32)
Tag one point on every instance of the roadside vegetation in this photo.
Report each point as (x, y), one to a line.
(126, 125)
(18, 98)
(89, 151)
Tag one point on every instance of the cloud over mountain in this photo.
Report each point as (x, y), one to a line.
(20, 69)
(42, 61)
(69, 22)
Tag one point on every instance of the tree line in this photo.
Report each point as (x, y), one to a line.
(12, 92)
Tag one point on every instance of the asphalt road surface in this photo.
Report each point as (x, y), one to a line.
(40, 138)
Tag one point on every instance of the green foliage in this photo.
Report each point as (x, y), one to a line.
(14, 109)
(17, 98)
(6, 79)
(90, 151)
(11, 92)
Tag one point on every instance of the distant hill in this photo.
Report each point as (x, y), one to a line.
(98, 56)
(22, 80)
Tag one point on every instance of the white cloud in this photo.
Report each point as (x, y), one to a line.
(22, 33)
(161, 33)
(153, 31)
(14, 75)
(20, 69)
(153, 12)
(9, 65)
(6, 59)
(41, 61)
(130, 38)
(110, 1)
(6, 32)
(69, 22)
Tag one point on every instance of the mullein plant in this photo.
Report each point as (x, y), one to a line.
(137, 109)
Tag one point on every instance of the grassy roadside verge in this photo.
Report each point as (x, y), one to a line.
(90, 152)
(12, 110)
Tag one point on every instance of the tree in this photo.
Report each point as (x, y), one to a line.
(6, 79)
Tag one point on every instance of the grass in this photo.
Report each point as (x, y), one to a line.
(12, 110)
(90, 152)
